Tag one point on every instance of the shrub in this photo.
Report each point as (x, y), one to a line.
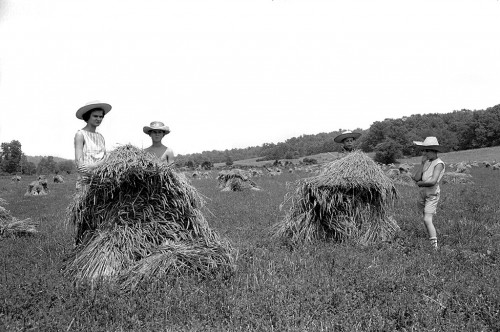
(309, 161)
(388, 151)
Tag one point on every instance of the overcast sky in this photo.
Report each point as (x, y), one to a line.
(232, 74)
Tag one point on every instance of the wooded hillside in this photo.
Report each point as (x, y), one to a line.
(458, 130)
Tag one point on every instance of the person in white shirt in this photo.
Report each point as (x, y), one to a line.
(427, 177)
(90, 147)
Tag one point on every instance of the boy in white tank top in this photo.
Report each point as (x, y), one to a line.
(427, 177)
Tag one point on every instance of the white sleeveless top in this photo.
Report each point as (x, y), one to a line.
(94, 148)
(427, 172)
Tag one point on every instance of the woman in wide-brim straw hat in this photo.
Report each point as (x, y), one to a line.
(90, 147)
(347, 139)
(427, 177)
(157, 130)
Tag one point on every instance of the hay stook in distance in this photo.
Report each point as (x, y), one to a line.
(136, 219)
(350, 198)
(236, 180)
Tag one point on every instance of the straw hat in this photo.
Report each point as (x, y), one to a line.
(92, 105)
(346, 134)
(430, 143)
(156, 125)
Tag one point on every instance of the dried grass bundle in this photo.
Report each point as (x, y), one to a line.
(350, 198)
(457, 178)
(236, 180)
(10, 226)
(403, 179)
(129, 207)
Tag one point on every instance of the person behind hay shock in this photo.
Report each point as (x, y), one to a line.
(427, 177)
(157, 130)
(90, 147)
(347, 139)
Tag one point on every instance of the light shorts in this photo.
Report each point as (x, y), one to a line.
(428, 202)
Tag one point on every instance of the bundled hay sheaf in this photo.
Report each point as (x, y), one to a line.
(403, 179)
(457, 178)
(10, 226)
(58, 179)
(130, 209)
(350, 198)
(37, 188)
(236, 180)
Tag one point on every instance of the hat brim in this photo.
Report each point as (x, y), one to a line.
(438, 148)
(82, 110)
(147, 129)
(342, 137)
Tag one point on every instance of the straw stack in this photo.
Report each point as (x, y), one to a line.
(137, 219)
(10, 226)
(350, 199)
(457, 178)
(236, 180)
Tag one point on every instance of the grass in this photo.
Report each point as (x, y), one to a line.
(394, 286)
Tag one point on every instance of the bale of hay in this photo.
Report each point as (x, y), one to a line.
(350, 198)
(10, 226)
(393, 172)
(236, 180)
(58, 179)
(404, 179)
(457, 178)
(405, 168)
(15, 178)
(462, 168)
(37, 188)
(137, 219)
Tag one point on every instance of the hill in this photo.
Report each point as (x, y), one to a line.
(36, 159)
(457, 131)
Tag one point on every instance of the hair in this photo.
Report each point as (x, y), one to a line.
(86, 115)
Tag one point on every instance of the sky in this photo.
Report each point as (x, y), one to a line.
(233, 73)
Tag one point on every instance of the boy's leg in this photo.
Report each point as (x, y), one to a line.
(429, 211)
(431, 230)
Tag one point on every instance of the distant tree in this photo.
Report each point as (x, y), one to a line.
(47, 166)
(29, 168)
(190, 164)
(11, 157)
(388, 151)
(207, 165)
(67, 166)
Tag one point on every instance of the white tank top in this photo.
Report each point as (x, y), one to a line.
(427, 172)
(94, 147)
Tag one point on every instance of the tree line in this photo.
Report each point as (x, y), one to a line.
(390, 139)
(14, 161)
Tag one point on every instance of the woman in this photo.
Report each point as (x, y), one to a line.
(347, 139)
(90, 148)
(157, 130)
(427, 177)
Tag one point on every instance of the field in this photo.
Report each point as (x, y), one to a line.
(401, 285)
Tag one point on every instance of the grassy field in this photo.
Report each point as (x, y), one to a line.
(395, 286)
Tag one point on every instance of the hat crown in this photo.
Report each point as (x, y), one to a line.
(157, 124)
(431, 140)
